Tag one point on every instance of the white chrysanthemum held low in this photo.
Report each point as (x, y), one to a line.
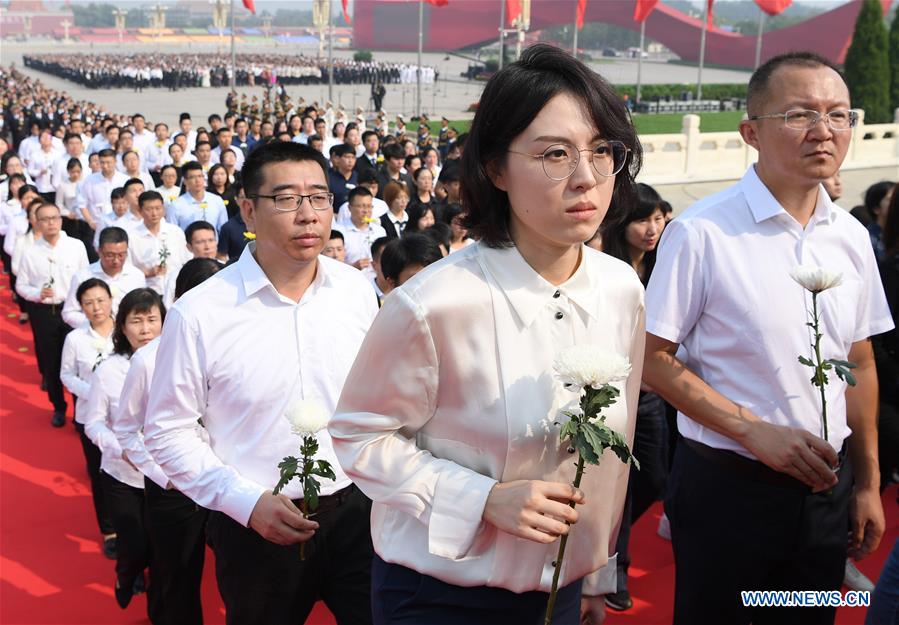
(816, 279)
(99, 344)
(590, 365)
(307, 417)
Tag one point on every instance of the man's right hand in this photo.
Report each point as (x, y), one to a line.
(795, 452)
(532, 509)
(277, 520)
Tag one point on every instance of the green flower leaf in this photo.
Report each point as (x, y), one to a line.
(806, 361)
(288, 469)
(323, 469)
(585, 449)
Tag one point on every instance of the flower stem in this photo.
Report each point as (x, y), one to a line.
(819, 365)
(305, 516)
(551, 604)
(304, 506)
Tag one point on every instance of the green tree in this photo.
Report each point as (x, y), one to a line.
(894, 62)
(867, 64)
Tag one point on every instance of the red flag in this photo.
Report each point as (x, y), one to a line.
(250, 6)
(438, 3)
(581, 9)
(711, 21)
(513, 10)
(773, 7)
(346, 12)
(643, 9)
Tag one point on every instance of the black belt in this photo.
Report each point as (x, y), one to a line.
(55, 309)
(326, 503)
(752, 470)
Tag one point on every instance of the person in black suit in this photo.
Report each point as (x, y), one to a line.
(394, 159)
(369, 158)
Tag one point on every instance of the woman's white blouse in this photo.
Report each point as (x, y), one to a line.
(453, 391)
(103, 400)
(82, 352)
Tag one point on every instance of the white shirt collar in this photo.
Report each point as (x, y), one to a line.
(528, 292)
(764, 205)
(254, 278)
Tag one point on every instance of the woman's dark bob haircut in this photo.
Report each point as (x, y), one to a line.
(137, 301)
(510, 102)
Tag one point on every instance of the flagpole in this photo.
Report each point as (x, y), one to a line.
(421, 17)
(640, 58)
(574, 39)
(330, 55)
(705, 23)
(758, 41)
(232, 82)
(502, 31)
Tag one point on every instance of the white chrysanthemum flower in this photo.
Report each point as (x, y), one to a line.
(590, 365)
(307, 417)
(816, 279)
(114, 290)
(99, 344)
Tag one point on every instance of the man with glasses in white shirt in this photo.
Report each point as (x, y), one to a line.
(45, 276)
(757, 498)
(296, 320)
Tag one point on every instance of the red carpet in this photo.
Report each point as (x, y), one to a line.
(51, 568)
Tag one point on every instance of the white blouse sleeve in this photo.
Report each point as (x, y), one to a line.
(96, 414)
(68, 371)
(374, 432)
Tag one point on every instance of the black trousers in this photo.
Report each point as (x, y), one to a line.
(646, 485)
(128, 509)
(732, 531)
(264, 583)
(401, 596)
(49, 336)
(92, 458)
(177, 528)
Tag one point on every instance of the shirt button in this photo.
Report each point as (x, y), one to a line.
(557, 294)
(559, 315)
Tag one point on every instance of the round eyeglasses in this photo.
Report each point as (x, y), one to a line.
(560, 160)
(803, 119)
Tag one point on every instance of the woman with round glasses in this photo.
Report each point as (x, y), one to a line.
(457, 442)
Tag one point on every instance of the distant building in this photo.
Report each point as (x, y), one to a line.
(14, 19)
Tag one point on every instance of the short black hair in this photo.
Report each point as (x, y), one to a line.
(340, 149)
(117, 194)
(223, 129)
(25, 189)
(89, 284)
(368, 133)
(875, 193)
(758, 83)
(378, 245)
(367, 175)
(277, 152)
(394, 150)
(441, 233)
(194, 272)
(71, 135)
(191, 166)
(148, 196)
(197, 225)
(106, 153)
(131, 182)
(336, 234)
(449, 173)
(72, 164)
(513, 97)
(614, 233)
(140, 301)
(410, 250)
(416, 211)
(450, 212)
(112, 234)
(358, 191)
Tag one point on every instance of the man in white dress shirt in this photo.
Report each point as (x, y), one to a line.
(157, 248)
(157, 151)
(97, 189)
(197, 204)
(361, 232)
(142, 137)
(74, 149)
(113, 268)
(45, 276)
(276, 330)
(40, 165)
(758, 499)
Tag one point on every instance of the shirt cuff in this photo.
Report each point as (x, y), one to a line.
(239, 503)
(457, 511)
(604, 581)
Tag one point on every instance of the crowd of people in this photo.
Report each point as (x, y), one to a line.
(416, 290)
(183, 70)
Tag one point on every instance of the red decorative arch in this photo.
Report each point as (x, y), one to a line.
(393, 25)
